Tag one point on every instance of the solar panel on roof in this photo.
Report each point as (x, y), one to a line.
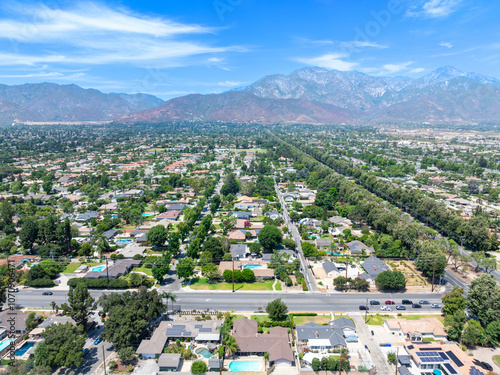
(205, 329)
(410, 347)
(450, 368)
(428, 349)
(454, 358)
(180, 326)
(198, 326)
(444, 356)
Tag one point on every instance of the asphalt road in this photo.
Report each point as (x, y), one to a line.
(308, 276)
(251, 301)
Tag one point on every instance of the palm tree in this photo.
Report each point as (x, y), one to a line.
(266, 359)
(230, 345)
(169, 296)
(54, 306)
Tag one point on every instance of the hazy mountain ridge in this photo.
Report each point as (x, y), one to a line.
(53, 102)
(318, 95)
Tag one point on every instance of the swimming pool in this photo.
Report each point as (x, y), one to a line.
(244, 366)
(204, 352)
(123, 241)
(147, 214)
(334, 253)
(98, 269)
(252, 266)
(23, 349)
(5, 343)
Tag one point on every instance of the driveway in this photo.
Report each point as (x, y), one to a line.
(147, 367)
(486, 355)
(366, 338)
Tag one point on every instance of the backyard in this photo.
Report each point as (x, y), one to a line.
(202, 284)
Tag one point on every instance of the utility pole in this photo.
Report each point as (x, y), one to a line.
(397, 352)
(107, 272)
(346, 263)
(366, 311)
(104, 359)
(433, 272)
(233, 272)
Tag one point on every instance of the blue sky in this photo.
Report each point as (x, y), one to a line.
(176, 47)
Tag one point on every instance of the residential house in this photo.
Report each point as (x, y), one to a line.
(242, 215)
(318, 337)
(168, 215)
(273, 215)
(88, 216)
(250, 342)
(417, 330)
(323, 243)
(373, 266)
(447, 359)
(239, 251)
(330, 269)
(357, 248)
(170, 362)
(118, 269)
(238, 235)
(13, 320)
(51, 321)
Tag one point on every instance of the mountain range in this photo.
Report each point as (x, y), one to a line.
(52, 102)
(309, 95)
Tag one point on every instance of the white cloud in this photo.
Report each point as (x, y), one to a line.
(395, 68)
(433, 8)
(446, 44)
(417, 70)
(230, 83)
(89, 33)
(329, 61)
(362, 44)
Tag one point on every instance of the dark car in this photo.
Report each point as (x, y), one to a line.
(390, 303)
(424, 302)
(46, 293)
(400, 307)
(486, 366)
(416, 306)
(374, 303)
(364, 307)
(406, 302)
(85, 351)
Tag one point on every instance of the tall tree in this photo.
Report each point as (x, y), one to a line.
(157, 235)
(28, 233)
(270, 237)
(483, 299)
(81, 304)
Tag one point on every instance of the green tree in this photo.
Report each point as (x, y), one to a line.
(126, 354)
(47, 187)
(431, 261)
(199, 367)
(316, 364)
(453, 301)
(493, 331)
(231, 185)
(391, 358)
(157, 235)
(390, 280)
(211, 272)
(276, 309)
(161, 268)
(483, 299)
(81, 304)
(473, 333)
(230, 345)
(248, 275)
(29, 233)
(215, 247)
(454, 325)
(185, 268)
(62, 346)
(31, 321)
(270, 237)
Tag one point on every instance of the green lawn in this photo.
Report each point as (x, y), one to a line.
(377, 320)
(429, 339)
(147, 271)
(70, 268)
(278, 286)
(418, 317)
(260, 318)
(320, 319)
(496, 359)
(202, 284)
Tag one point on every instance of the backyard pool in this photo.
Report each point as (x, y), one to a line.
(244, 366)
(123, 241)
(98, 269)
(252, 266)
(204, 352)
(333, 253)
(23, 349)
(147, 214)
(4, 344)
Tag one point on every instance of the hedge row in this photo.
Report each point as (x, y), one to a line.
(40, 283)
(99, 283)
(303, 314)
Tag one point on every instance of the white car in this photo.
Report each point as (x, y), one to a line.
(435, 305)
(385, 308)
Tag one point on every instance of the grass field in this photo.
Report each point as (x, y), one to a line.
(377, 320)
(202, 284)
(320, 319)
(147, 271)
(496, 359)
(70, 268)
(278, 286)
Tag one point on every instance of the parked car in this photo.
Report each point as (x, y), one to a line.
(46, 293)
(423, 302)
(400, 307)
(406, 302)
(385, 308)
(416, 306)
(85, 351)
(390, 303)
(364, 307)
(486, 366)
(14, 290)
(374, 303)
(97, 341)
(435, 305)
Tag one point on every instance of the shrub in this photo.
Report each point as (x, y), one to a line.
(40, 283)
(304, 286)
(199, 367)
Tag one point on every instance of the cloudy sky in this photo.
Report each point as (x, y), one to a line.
(176, 47)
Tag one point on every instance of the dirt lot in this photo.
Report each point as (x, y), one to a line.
(407, 267)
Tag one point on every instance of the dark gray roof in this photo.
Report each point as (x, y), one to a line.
(343, 323)
(356, 247)
(177, 206)
(110, 233)
(169, 360)
(267, 257)
(329, 267)
(311, 331)
(87, 216)
(373, 266)
(323, 242)
(238, 250)
(215, 363)
(243, 215)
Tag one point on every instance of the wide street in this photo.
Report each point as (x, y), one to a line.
(251, 301)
